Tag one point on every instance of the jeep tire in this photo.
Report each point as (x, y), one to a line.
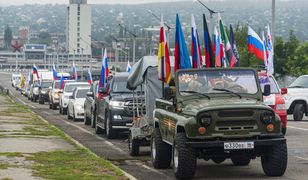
(133, 145)
(86, 120)
(274, 162)
(68, 115)
(298, 112)
(60, 110)
(161, 152)
(98, 129)
(184, 158)
(240, 161)
(110, 132)
(41, 101)
(93, 119)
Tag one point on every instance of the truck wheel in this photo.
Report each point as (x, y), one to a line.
(184, 158)
(274, 162)
(240, 161)
(133, 145)
(218, 160)
(93, 120)
(161, 152)
(298, 112)
(109, 130)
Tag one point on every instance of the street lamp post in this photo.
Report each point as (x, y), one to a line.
(273, 21)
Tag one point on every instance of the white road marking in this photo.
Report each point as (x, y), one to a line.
(151, 169)
(25, 103)
(306, 159)
(293, 127)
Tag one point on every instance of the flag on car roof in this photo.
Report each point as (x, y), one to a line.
(35, 71)
(234, 48)
(104, 70)
(75, 72)
(54, 72)
(61, 83)
(195, 45)
(181, 56)
(217, 48)
(230, 59)
(163, 55)
(128, 67)
(208, 47)
(90, 81)
(270, 50)
(255, 44)
(264, 49)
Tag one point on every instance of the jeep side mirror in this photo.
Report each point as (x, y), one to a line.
(168, 93)
(267, 90)
(103, 90)
(284, 91)
(90, 94)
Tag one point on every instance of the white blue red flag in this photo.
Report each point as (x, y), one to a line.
(270, 51)
(128, 67)
(90, 81)
(54, 72)
(265, 49)
(255, 44)
(75, 72)
(35, 71)
(217, 48)
(195, 45)
(104, 70)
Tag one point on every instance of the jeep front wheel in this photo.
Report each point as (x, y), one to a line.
(160, 151)
(133, 145)
(240, 161)
(298, 112)
(184, 158)
(274, 162)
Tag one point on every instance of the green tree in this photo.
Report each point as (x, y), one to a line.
(8, 37)
(44, 38)
(298, 64)
(280, 58)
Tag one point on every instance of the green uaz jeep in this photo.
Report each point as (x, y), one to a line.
(216, 114)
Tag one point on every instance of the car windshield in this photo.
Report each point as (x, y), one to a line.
(56, 85)
(269, 80)
(217, 82)
(119, 85)
(301, 82)
(71, 87)
(46, 84)
(81, 93)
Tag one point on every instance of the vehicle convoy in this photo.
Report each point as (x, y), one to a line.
(276, 99)
(75, 109)
(114, 111)
(54, 94)
(43, 91)
(66, 92)
(89, 104)
(216, 114)
(15, 79)
(297, 98)
(35, 83)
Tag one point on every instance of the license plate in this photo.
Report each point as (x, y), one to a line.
(238, 145)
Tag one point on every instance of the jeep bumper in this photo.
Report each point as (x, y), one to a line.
(120, 120)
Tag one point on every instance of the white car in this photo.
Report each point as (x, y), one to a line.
(15, 79)
(68, 91)
(75, 108)
(297, 98)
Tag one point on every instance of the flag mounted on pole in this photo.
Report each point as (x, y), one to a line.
(164, 67)
(230, 59)
(270, 51)
(54, 72)
(217, 48)
(234, 48)
(208, 50)
(61, 83)
(181, 56)
(128, 67)
(264, 49)
(35, 71)
(104, 70)
(90, 81)
(195, 45)
(75, 72)
(255, 44)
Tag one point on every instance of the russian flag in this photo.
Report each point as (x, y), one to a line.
(104, 70)
(128, 67)
(54, 72)
(61, 83)
(35, 71)
(255, 44)
(90, 81)
(208, 50)
(217, 48)
(75, 72)
(195, 45)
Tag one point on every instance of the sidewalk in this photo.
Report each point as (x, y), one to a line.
(30, 148)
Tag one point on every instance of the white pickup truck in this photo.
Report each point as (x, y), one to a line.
(297, 98)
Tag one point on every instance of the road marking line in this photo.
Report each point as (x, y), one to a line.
(304, 129)
(24, 102)
(306, 159)
(151, 169)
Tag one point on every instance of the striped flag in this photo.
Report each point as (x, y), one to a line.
(195, 45)
(75, 72)
(234, 48)
(270, 51)
(255, 44)
(90, 81)
(163, 55)
(217, 48)
(208, 50)
(54, 72)
(35, 71)
(104, 70)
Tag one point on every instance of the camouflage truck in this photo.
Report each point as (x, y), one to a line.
(215, 114)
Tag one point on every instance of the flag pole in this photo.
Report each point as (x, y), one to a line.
(162, 74)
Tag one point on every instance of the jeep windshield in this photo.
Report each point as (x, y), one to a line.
(301, 82)
(223, 81)
(46, 84)
(71, 87)
(119, 86)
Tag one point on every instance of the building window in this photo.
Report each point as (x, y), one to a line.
(78, 39)
(78, 13)
(78, 45)
(78, 18)
(78, 23)
(78, 50)
(78, 34)
(78, 7)
(78, 29)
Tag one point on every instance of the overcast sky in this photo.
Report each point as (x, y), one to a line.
(21, 2)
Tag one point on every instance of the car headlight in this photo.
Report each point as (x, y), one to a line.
(281, 107)
(117, 117)
(79, 106)
(267, 117)
(205, 119)
(43, 92)
(116, 105)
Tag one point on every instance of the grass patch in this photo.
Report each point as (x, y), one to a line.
(6, 179)
(4, 166)
(12, 154)
(79, 164)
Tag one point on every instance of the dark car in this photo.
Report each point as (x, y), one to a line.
(89, 104)
(43, 92)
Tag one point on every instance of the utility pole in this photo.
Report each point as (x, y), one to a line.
(273, 21)
(134, 41)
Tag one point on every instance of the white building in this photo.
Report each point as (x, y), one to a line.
(78, 29)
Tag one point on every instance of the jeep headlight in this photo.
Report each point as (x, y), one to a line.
(79, 107)
(267, 117)
(205, 119)
(116, 105)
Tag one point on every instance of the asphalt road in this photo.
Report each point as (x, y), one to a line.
(117, 151)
